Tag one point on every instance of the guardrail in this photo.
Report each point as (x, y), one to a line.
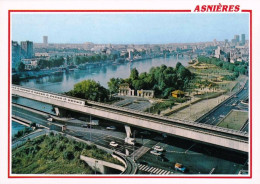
(219, 105)
(155, 117)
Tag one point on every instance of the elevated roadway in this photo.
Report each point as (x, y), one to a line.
(235, 140)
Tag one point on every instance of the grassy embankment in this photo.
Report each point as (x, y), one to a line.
(235, 120)
(55, 154)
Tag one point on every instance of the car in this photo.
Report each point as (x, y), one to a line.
(50, 119)
(180, 167)
(157, 153)
(158, 148)
(111, 128)
(145, 133)
(85, 126)
(113, 144)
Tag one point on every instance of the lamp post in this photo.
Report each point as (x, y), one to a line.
(90, 128)
(95, 166)
(134, 145)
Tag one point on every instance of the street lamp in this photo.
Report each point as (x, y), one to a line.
(90, 128)
(134, 145)
(95, 166)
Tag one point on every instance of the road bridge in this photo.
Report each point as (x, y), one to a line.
(232, 139)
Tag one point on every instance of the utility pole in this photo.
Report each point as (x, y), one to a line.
(90, 128)
(134, 146)
(96, 166)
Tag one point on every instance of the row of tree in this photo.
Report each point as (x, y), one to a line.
(163, 80)
(43, 63)
(237, 67)
(94, 58)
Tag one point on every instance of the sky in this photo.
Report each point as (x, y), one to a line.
(128, 28)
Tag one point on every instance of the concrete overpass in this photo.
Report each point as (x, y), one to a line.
(199, 132)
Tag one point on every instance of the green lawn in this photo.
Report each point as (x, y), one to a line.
(55, 154)
(235, 120)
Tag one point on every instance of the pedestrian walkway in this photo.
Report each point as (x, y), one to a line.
(153, 170)
(140, 152)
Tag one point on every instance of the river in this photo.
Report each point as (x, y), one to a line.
(65, 81)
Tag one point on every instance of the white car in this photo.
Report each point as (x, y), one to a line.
(157, 153)
(111, 128)
(113, 144)
(50, 119)
(158, 148)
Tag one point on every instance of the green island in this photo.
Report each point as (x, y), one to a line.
(55, 154)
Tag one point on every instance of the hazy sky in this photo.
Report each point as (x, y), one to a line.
(128, 28)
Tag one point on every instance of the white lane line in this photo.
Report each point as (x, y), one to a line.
(142, 167)
(168, 172)
(164, 172)
(212, 170)
(161, 171)
(155, 170)
(150, 169)
(146, 169)
(190, 147)
(158, 171)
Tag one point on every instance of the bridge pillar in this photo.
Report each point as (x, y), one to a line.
(128, 131)
(60, 112)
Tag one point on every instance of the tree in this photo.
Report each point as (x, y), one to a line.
(91, 90)
(113, 84)
(134, 74)
(20, 67)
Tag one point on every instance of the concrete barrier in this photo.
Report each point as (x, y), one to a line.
(103, 166)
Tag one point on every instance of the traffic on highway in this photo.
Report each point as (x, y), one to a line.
(154, 153)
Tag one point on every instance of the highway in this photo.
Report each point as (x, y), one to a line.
(233, 103)
(199, 158)
(98, 136)
(146, 120)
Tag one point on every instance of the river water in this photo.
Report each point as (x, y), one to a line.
(16, 127)
(65, 81)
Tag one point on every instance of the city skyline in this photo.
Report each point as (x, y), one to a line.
(128, 28)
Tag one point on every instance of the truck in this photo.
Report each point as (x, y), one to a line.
(180, 167)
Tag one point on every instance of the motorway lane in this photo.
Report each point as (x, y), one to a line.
(103, 138)
(97, 136)
(199, 158)
(233, 103)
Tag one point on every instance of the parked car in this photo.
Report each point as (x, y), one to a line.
(180, 167)
(157, 153)
(158, 148)
(50, 119)
(113, 144)
(111, 128)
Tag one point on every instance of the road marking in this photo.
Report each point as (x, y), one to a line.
(150, 169)
(161, 171)
(147, 168)
(142, 167)
(164, 172)
(155, 171)
(212, 170)
(158, 171)
(168, 172)
(190, 147)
